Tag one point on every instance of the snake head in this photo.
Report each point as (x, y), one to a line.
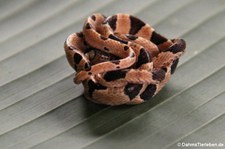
(96, 56)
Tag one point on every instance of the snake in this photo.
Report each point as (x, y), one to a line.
(120, 59)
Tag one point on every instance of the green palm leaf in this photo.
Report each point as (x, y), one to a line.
(40, 107)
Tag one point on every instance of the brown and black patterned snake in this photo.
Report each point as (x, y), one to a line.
(121, 60)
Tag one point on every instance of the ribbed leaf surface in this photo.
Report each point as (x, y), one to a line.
(41, 108)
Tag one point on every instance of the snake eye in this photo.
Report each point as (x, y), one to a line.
(91, 54)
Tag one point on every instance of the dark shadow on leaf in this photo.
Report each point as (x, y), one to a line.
(111, 118)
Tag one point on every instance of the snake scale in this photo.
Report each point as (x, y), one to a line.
(120, 59)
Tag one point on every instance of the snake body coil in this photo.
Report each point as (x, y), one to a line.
(121, 60)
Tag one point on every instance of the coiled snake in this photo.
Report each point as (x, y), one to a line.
(121, 60)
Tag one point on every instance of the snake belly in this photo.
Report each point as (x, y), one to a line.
(121, 60)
